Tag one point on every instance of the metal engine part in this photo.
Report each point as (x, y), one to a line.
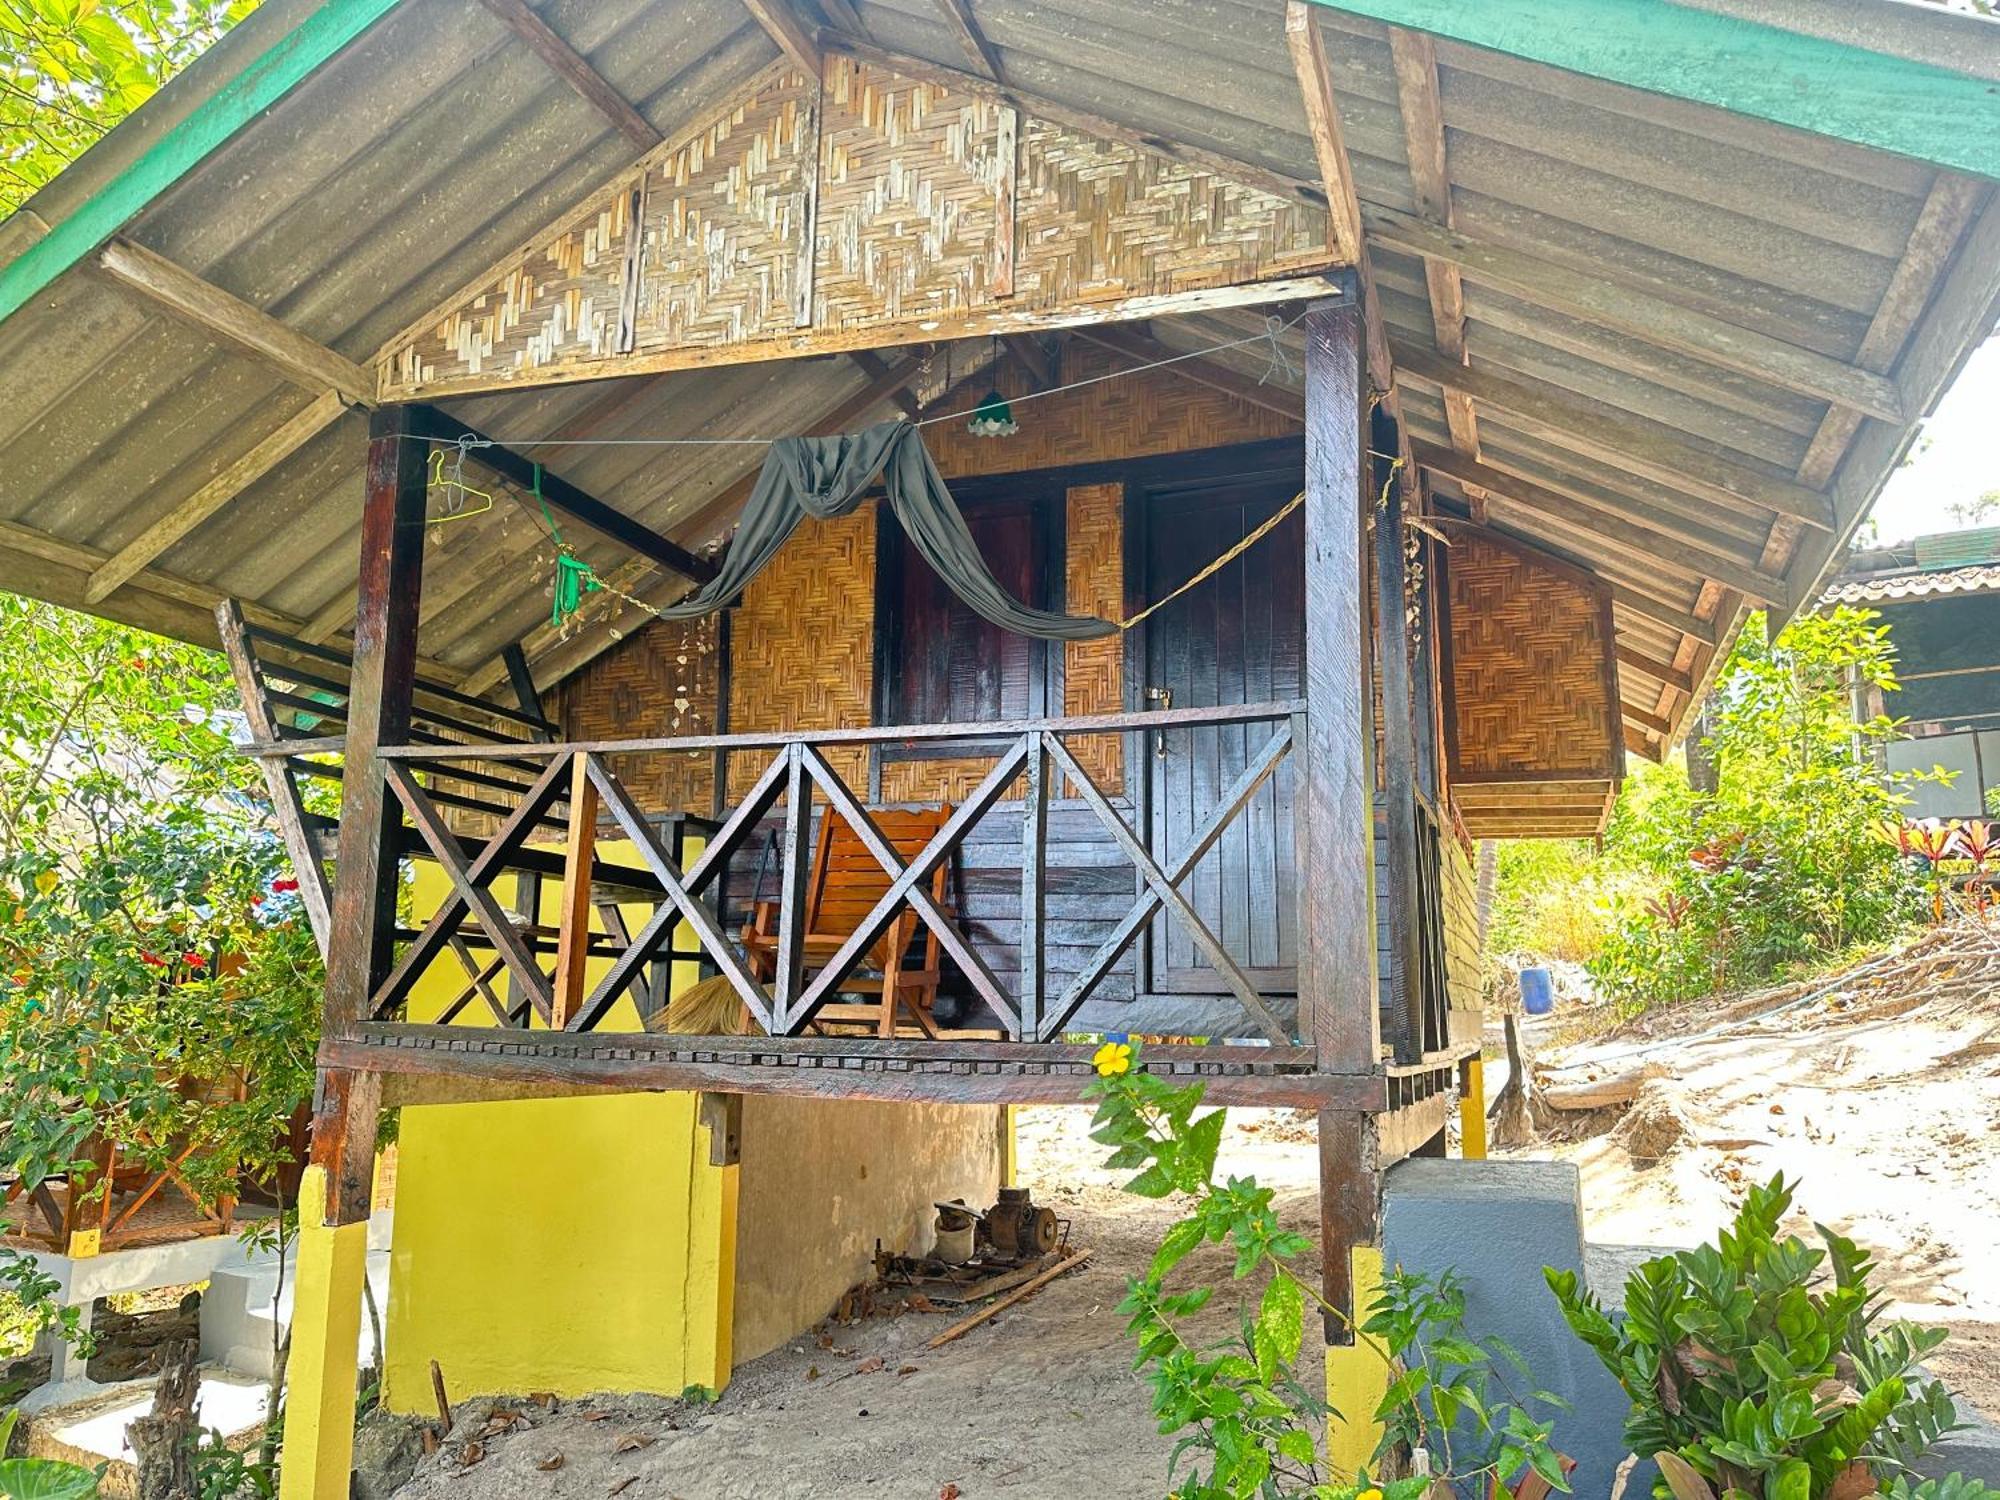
(1016, 1228)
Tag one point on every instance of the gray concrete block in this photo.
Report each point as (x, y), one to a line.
(1498, 1224)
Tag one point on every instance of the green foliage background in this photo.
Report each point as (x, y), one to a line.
(71, 69)
(1782, 867)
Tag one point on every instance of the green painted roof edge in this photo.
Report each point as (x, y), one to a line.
(288, 62)
(1765, 72)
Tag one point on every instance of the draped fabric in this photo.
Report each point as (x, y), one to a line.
(825, 477)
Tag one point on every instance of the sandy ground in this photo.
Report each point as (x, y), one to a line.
(1880, 1096)
(1040, 1402)
(1883, 1101)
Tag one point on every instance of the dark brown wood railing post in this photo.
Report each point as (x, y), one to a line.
(1399, 752)
(378, 713)
(1336, 897)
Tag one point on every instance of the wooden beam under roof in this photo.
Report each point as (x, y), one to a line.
(1622, 441)
(575, 70)
(526, 475)
(1283, 400)
(965, 26)
(1664, 672)
(1307, 44)
(876, 368)
(1415, 62)
(1647, 537)
(231, 320)
(1646, 315)
(280, 444)
(785, 26)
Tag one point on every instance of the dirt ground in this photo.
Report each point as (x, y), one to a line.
(1038, 1403)
(1882, 1098)
(1878, 1091)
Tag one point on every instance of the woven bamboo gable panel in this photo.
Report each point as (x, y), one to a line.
(1533, 701)
(865, 209)
(1094, 671)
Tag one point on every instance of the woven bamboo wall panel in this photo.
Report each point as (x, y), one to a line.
(930, 781)
(1528, 655)
(1139, 416)
(727, 223)
(871, 209)
(801, 645)
(1094, 671)
(913, 178)
(663, 680)
(1101, 218)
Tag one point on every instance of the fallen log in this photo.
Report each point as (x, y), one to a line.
(1600, 1093)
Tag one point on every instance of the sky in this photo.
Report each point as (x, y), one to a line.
(1955, 459)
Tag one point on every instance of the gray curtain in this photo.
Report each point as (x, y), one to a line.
(827, 476)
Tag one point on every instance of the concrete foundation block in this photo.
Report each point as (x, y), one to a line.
(1497, 1224)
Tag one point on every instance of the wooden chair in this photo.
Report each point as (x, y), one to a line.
(843, 886)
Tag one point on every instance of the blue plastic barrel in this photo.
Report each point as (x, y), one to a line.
(1538, 992)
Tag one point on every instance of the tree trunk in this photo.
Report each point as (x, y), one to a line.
(163, 1440)
(1702, 771)
(1486, 883)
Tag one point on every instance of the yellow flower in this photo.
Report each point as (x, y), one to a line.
(1369, 1495)
(1112, 1059)
(46, 881)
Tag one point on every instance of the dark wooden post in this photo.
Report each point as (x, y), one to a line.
(378, 713)
(1399, 751)
(1336, 868)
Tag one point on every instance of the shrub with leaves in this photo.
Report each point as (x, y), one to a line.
(1249, 1426)
(1760, 1366)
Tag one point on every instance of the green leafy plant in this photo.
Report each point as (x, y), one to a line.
(1759, 1366)
(1249, 1427)
(42, 1478)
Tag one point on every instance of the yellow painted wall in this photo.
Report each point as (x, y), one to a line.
(565, 1245)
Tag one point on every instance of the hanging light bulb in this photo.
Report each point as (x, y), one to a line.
(993, 417)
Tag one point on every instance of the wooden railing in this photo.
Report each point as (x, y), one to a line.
(575, 782)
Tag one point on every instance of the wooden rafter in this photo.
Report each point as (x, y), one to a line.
(785, 26)
(1415, 61)
(1642, 533)
(286, 439)
(575, 70)
(1307, 44)
(303, 361)
(965, 26)
(1663, 672)
(1649, 315)
(1639, 447)
(876, 368)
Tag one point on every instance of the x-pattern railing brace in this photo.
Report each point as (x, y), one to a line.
(1163, 887)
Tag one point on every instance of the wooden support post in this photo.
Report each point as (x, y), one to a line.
(371, 833)
(573, 932)
(1399, 751)
(796, 855)
(1336, 884)
(1034, 889)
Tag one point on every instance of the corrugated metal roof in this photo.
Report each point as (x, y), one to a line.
(437, 142)
(1916, 583)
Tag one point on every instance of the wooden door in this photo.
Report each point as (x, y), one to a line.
(1238, 637)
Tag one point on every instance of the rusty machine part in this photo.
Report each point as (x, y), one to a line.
(1016, 1229)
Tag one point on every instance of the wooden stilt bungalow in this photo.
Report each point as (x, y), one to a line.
(1478, 375)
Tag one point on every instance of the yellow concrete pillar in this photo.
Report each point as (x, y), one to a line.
(326, 1335)
(1357, 1377)
(1472, 1108)
(1010, 1145)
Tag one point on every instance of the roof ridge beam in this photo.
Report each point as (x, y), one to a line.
(785, 26)
(575, 70)
(228, 318)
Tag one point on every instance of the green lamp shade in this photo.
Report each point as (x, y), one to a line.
(993, 417)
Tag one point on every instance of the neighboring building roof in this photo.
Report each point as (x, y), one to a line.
(1697, 338)
(1914, 583)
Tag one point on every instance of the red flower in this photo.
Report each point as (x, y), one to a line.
(154, 959)
(194, 960)
(284, 885)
